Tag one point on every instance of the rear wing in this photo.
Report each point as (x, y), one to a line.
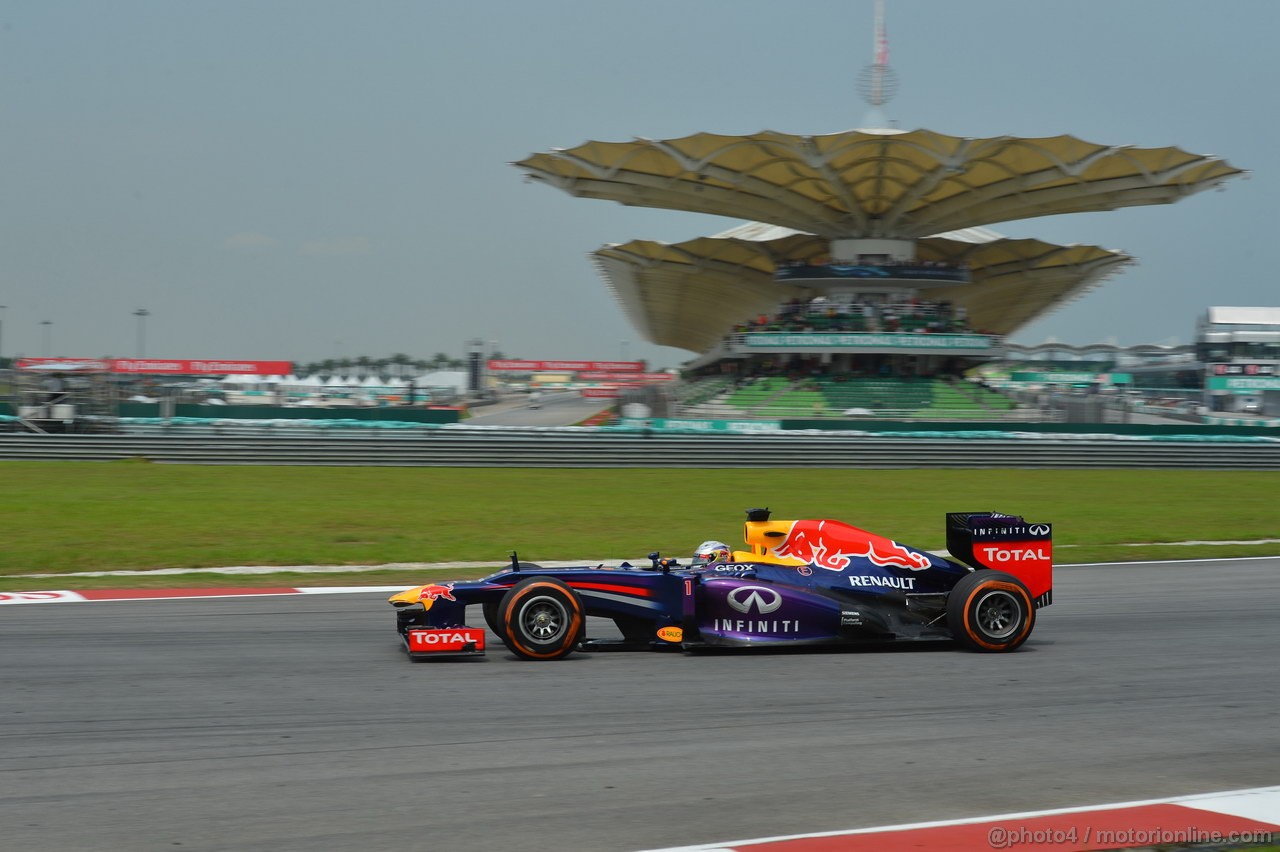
(1005, 543)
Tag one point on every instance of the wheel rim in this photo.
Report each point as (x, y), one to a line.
(998, 614)
(544, 620)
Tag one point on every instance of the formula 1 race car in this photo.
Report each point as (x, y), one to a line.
(811, 582)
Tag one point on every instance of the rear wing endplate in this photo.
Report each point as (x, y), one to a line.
(1005, 543)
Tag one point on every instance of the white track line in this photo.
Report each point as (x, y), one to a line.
(1260, 803)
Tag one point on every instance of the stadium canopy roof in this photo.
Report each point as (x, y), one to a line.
(690, 294)
(876, 183)
(1244, 316)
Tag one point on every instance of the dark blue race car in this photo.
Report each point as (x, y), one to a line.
(808, 582)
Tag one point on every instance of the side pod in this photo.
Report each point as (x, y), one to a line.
(1005, 543)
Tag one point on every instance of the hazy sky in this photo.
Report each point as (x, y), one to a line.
(308, 179)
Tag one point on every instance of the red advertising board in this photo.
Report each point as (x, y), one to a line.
(68, 365)
(506, 365)
(600, 393)
(160, 366)
(196, 368)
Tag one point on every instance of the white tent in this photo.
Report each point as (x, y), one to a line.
(456, 379)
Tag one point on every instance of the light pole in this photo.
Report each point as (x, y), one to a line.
(47, 324)
(3, 308)
(142, 314)
(475, 366)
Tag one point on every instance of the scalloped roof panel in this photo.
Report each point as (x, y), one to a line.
(867, 184)
(690, 294)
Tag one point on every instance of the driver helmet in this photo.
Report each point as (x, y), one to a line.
(710, 552)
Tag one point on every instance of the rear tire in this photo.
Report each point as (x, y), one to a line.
(541, 618)
(990, 611)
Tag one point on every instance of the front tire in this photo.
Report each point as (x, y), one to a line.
(990, 611)
(541, 618)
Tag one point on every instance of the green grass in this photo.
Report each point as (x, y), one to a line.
(62, 517)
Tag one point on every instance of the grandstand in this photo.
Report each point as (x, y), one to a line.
(1230, 368)
(757, 394)
(922, 398)
(865, 282)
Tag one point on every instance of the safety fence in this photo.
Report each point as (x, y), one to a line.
(586, 448)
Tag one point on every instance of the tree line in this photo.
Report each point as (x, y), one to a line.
(399, 365)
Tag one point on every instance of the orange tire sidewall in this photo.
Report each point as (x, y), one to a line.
(989, 585)
(575, 620)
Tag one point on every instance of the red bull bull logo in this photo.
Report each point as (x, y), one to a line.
(833, 545)
(434, 591)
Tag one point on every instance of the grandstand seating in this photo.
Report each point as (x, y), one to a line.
(696, 393)
(799, 400)
(882, 396)
(877, 394)
(952, 403)
(993, 399)
(757, 392)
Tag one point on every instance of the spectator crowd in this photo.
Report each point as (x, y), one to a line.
(914, 316)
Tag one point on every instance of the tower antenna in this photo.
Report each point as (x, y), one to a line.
(877, 82)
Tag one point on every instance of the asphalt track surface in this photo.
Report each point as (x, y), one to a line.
(295, 723)
(555, 408)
